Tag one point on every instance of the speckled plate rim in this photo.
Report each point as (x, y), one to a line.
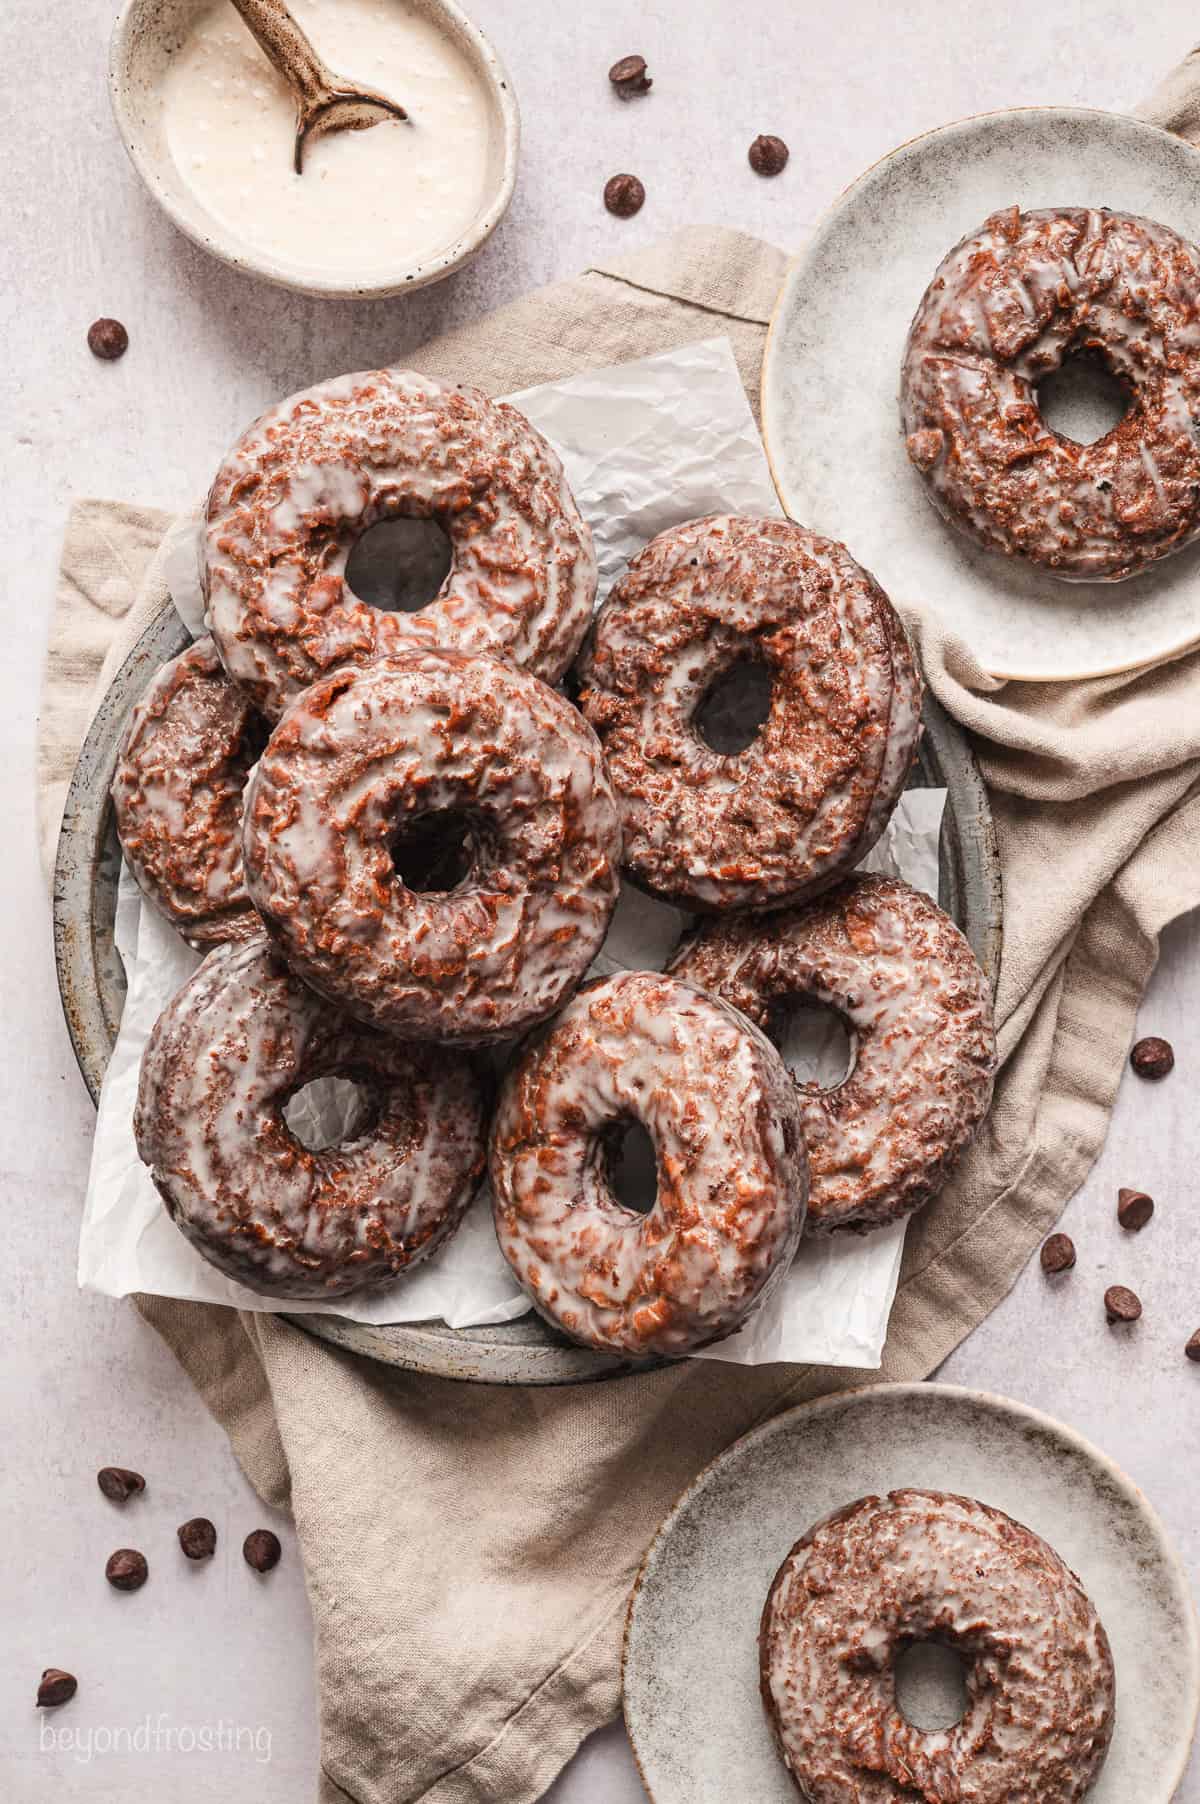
(801, 1413)
(523, 1351)
(798, 264)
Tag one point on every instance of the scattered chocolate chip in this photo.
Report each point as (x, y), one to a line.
(628, 77)
(261, 1550)
(1121, 1305)
(1152, 1057)
(1193, 1347)
(127, 1569)
(107, 338)
(1134, 1209)
(198, 1538)
(768, 156)
(118, 1483)
(624, 195)
(57, 1687)
(1058, 1253)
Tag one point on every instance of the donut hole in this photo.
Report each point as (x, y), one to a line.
(630, 1166)
(330, 1110)
(733, 709)
(1082, 400)
(815, 1041)
(434, 853)
(931, 1685)
(399, 566)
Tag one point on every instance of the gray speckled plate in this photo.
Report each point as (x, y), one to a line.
(832, 369)
(691, 1656)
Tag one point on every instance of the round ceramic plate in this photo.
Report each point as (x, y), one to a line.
(691, 1647)
(832, 371)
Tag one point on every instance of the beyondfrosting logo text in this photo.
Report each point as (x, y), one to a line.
(154, 1736)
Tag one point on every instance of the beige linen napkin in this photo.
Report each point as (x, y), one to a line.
(469, 1550)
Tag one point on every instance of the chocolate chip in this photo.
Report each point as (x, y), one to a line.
(628, 77)
(624, 195)
(127, 1569)
(1134, 1209)
(261, 1550)
(107, 338)
(57, 1687)
(118, 1483)
(1121, 1305)
(1152, 1057)
(1058, 1253)
(198, 1538)
(768, 156)
(1193, 1347)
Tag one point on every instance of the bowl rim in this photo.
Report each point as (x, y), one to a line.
(236, 254)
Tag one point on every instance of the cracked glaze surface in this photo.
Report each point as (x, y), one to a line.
(919, 1010)
(369, 752)
(883, 1573)
(239, 1039)
(811, 793)
(1006, 307)
(307, 479)
(721, 1110)
(177, 793)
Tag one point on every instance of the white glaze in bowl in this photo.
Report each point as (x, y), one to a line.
(149, 33)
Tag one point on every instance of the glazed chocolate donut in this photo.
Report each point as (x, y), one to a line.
(229, 1052)
(308, 479)
(177, 793)
(443, 739)
(1011, 303)
(919, 1011)
(807, 798)
(715, 1098)
(883, 1573)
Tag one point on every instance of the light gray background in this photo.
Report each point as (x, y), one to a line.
(83, 1380)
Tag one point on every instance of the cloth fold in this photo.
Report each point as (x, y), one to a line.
(469, 1550)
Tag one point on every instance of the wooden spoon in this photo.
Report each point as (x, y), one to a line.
(324, 102)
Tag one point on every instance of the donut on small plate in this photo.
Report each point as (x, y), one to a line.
(227, 1055)
(724, 1119)
(919, 1011)
(1006, 307)
(429, 743)
(713, 830)
(304, 483)
(177, 794)
(885, 1572)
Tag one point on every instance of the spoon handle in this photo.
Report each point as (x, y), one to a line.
(282, 40)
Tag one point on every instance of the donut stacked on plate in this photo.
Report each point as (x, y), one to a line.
(403, 843)
(884, 1574)
(1009, 305)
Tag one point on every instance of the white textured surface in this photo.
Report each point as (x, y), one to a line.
(84, 1381)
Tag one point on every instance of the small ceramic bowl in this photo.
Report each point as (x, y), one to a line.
(149, 32)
